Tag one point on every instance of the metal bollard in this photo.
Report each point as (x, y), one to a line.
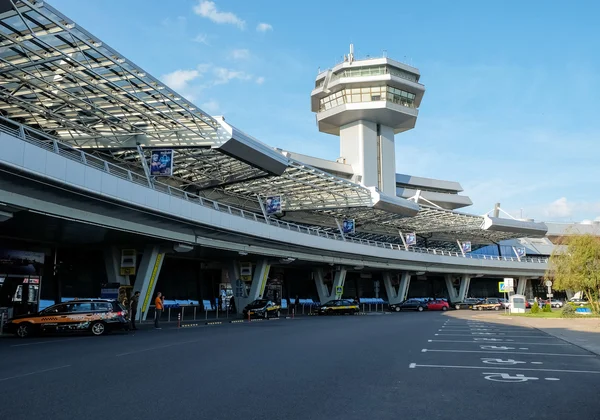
(217, 312)
(363, 308)
(179, 320)
(227, 316)
(195, 307)
(169, 315)
(369, 307)
(205, 314)
(293, 312)
(1, 322)
(183, 312)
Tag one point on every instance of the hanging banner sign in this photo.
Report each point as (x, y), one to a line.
(128, 262)
(273, 205)
(466, 246)
(411, 239)
(521, 251)
(348, 226)
(161, 163)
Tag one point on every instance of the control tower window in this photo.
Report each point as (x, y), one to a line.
(367, 94)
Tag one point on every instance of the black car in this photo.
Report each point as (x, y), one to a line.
(411, 304)
(97, 316)
(262, 308)
(467, 303)
(340, 306)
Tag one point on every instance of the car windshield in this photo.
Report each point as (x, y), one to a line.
(259, 302)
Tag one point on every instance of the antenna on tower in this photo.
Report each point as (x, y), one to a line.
(351, 55)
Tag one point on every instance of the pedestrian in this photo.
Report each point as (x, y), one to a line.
(158, 309)
(133, 307)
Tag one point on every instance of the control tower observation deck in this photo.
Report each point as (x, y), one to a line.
(365, 103)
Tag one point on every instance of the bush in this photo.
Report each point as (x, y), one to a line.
(535, 308)
(547, 308)
(568, 311)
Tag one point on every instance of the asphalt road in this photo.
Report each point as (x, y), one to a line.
(407, 365)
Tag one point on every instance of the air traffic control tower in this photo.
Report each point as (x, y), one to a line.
(366, 102)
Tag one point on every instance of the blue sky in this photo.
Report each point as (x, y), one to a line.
(512, 94)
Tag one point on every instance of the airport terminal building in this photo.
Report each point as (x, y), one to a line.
(110, 178)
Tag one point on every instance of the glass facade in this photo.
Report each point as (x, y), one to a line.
(374, 71)
(368, 94)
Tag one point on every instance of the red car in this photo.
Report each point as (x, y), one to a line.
(438, 305)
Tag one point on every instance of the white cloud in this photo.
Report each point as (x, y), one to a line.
(223, 75)
(264, 27)
(560, 208)
(201, 39)
(260, 80)
(179, 79)
(208, 9)
(211, 106)
(241, 54)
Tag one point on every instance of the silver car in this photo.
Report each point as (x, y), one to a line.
(556, 303)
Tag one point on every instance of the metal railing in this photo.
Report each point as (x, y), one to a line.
(49, 143)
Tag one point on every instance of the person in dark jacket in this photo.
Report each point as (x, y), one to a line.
(133, 308)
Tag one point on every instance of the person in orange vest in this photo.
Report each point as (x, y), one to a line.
(158, 309)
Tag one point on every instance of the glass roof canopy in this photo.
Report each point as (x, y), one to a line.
(59, 79)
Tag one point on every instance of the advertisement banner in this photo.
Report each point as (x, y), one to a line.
(411, 239)
(521, 252)
(273, 205)
(161, 162)
(21, 262)
(466, 246)
(128, 262)
(348, 226)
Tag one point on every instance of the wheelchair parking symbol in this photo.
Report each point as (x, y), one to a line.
(507, 377)
(496, 348)
(492, 361)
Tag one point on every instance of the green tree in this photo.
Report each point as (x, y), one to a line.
(576, 266)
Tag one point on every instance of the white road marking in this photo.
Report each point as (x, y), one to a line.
(157, 347)
(510, 336)
(509, 352)
(479, 340)
(492, 361)
(415, 365)
(48, 342)
(34, 373)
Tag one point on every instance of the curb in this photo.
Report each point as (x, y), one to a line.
(190, 325)
(213, 323)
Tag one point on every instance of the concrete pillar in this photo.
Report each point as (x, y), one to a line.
(522, 285)
(393, 295)
(391, 291)
(339, 279)
(112, 262)
(322, 289)
(463, 292)
(147, 277)
(259, 282)
(570, 293)
(452, 293)
(238, 286)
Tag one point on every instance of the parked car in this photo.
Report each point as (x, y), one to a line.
(97, 316)
(555, 303)
(438, 305)
(578, 302)
(340, 306)
(411, 304)
(467, 303)
(489, 304)
(262, 308)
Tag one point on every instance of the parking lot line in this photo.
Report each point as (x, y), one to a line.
(48, 342)
(507, 352)
(34, 373)
(500, 341)
(157, 347)
(503, 336)
(415, 365)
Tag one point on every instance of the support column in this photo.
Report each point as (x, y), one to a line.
(238, 286)
(147, 277)
(522, 285)
(339, 279)
(322, 289)
(259, 282)
(393, 296)
(112, 262)
(463, 292)
(452, 294)
(391, 291)
(570, 293)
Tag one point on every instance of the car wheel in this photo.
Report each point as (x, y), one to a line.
(457, 307)
(24, 330)
(480, 308)
(497, 308)
(444, 308)
(98, 328)
(420, 309)
(397, 309)
(266, 315)
(278, 313)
